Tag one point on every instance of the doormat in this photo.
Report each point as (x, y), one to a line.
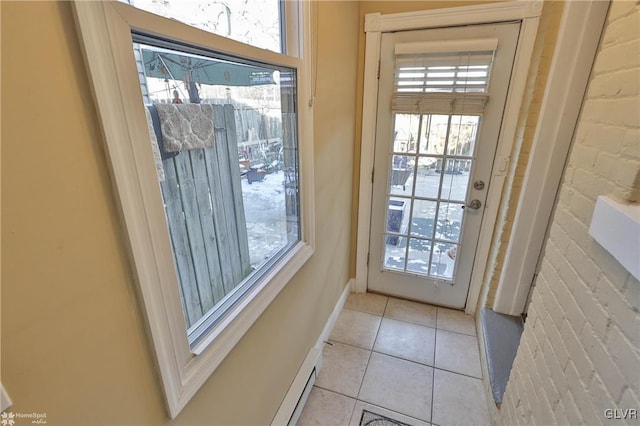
(372, 419)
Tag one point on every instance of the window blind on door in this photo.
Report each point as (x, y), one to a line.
(442, 77)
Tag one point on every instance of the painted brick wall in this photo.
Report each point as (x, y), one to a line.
(580, 351)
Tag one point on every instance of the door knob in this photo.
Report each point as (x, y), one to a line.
(474, 204)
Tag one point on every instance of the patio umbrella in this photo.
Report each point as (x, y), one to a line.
(193, 69)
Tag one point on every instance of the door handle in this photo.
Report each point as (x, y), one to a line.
(474, 204)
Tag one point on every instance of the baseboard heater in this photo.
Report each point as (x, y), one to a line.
(293, 403)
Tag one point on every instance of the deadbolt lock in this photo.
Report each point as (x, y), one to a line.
(479, 184)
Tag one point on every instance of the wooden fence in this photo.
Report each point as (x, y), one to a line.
(258, 136)
(203, 202)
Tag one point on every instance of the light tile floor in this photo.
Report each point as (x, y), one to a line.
(413, 363)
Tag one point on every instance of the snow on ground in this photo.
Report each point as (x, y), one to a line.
(449, 225)
(265, 214)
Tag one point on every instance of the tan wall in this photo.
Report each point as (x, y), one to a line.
(580, 351)
(73, 339)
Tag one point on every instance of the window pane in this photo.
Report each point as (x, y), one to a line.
(405, 134)
(396, 219)
(255, 22)
(423, 218)
(402, 169)
(428, 180)
(224, 134)
(463, 134)
(433, 134)
(419, 253)
(456, 180)
(394, 253)
(449, 221)
(443, 260)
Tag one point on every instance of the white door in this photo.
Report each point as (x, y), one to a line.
(441, 98)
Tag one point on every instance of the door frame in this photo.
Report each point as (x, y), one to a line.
(528, 13)
(452, 290)
(578, 40)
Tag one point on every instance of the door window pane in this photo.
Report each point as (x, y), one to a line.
(396, 218)
(433, 134)
(456, 180)
(462, 135)
(428, 177)
(435, 179)
(443, 260)
(449, 222)
(395, 252)
(423, 218)
(419, 254)
(401, 174)
(406, 133)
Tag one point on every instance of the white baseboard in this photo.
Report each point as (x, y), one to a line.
(294, 400)
(331, 321)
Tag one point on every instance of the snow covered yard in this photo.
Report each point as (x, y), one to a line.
(265, 214)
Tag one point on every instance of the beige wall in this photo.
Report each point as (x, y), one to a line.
(580, 351)
(73, 337)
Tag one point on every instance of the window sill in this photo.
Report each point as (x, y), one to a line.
(254, 302)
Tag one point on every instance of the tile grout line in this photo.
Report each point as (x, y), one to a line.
(406, 359)
(351, 345)
(433, 372)
(396, 357)
(459, 374)
(336, 392)
(357, 347)
(411, 360)
(371, 351)
(368, 360)
(411, 322)
(435, 326)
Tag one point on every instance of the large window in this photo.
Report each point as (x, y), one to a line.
(225, 132)
(209, 145)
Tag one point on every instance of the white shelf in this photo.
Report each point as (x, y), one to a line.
(616, 227)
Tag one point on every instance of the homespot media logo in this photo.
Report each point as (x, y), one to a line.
(11, 418)
(621, 413)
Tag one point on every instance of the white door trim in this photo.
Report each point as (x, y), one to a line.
(375, 24)
(578, 39)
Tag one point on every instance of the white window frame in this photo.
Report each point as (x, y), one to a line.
(105, 31)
